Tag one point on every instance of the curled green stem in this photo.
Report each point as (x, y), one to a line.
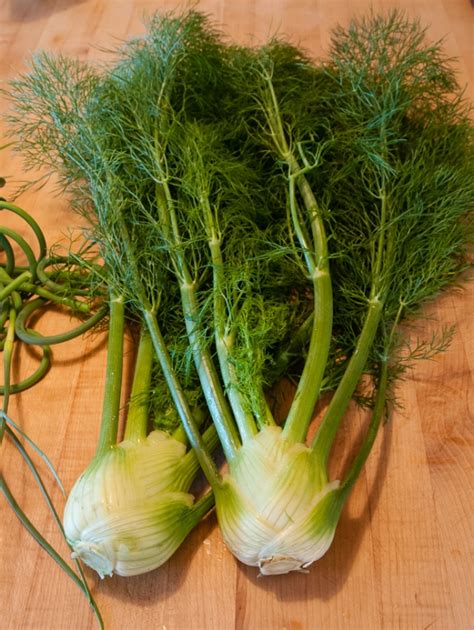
(10, 255)
(32, 379)
(5, 205)
(20, 241)
(30, 337)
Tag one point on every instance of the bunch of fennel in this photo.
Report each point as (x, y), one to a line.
(377, 154)
(346, 182)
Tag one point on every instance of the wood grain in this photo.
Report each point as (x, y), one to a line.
(402, 557)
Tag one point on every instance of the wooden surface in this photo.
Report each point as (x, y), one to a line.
(402, 556)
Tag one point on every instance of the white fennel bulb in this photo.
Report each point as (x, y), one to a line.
(130, 509)
(276, 509)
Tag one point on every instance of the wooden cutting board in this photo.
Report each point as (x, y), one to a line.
(402, 556)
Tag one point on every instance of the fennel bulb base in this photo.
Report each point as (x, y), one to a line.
(95, 556)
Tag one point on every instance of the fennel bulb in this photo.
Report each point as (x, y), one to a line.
(130, 509)
(276, 509)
